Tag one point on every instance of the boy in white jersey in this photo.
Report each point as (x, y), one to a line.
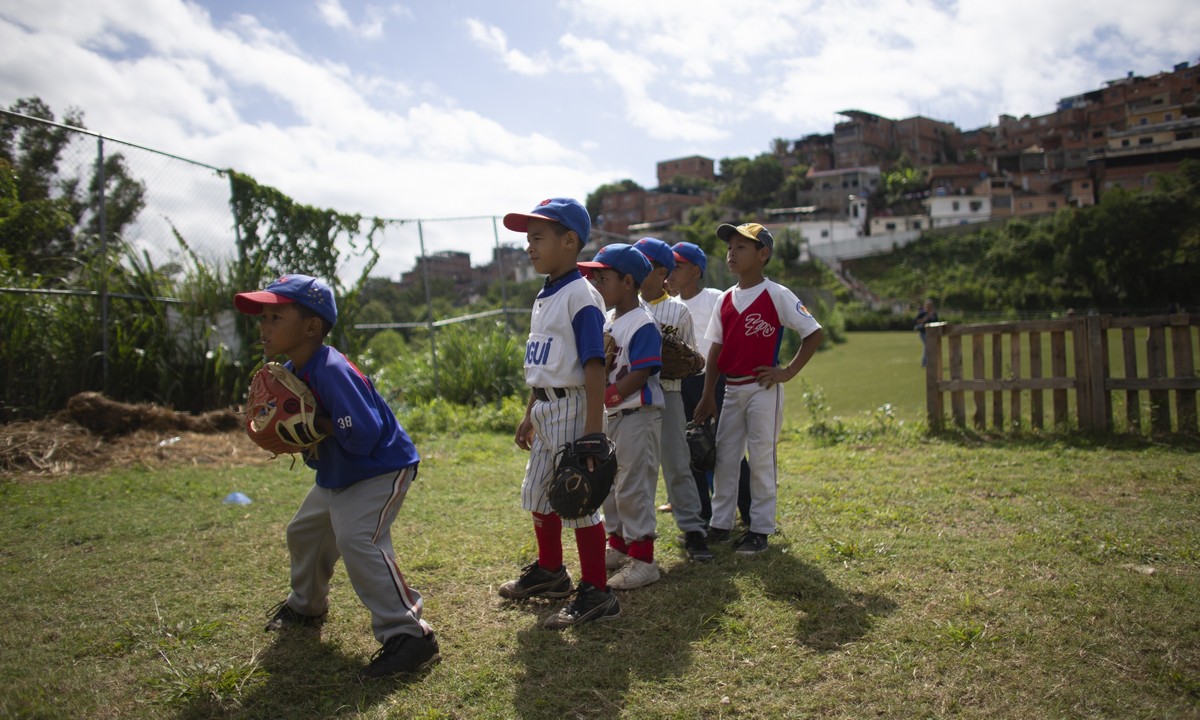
(634, 402)
(746, 331)
(564, 368)
(673, 318)
(685, 282)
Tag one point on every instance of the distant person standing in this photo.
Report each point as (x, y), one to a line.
(926, 316)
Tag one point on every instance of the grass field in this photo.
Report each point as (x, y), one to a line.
(914, 576)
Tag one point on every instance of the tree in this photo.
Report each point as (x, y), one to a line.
(750, 184)
(595, 200)
(53, 225)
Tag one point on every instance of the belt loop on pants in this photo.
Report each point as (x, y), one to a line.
(544, 394)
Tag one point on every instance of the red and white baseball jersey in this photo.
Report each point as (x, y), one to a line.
(749, 325)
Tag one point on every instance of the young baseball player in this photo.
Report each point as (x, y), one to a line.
(746, 331)
(634, 401)
(564, 368)
(364, 469)
(673, 317)
(685, 280)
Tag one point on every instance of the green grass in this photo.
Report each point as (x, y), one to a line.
(859, 376)
(914, 576)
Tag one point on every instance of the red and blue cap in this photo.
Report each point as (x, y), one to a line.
(625, 259)
(658, 251)
(690, 253)
(566, 211)
(303, 290)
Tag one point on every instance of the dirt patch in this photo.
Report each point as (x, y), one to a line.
(94, 434)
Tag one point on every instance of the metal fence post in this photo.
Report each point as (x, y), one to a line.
(429, 308)
(102, 218)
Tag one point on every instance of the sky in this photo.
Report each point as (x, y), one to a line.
(460, 108)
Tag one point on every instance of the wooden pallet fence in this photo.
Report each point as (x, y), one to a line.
(1157, 355)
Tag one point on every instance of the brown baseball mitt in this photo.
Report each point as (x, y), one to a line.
(280, 412)
(610, 353)
(679, 360)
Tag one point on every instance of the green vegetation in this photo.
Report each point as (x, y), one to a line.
(1136, 251)
(913, 577)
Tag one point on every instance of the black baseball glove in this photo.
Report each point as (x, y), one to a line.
(702, 445)
(575, 491)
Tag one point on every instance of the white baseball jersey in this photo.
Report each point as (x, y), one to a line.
(748, 323)
(673, 318)
(639, 347)
(565, 331)
(701, 307)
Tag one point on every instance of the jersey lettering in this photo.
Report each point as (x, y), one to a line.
(756, 325)
(537, 353)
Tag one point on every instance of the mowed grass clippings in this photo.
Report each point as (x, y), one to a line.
(913, 576)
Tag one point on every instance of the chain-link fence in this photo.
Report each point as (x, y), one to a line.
(134, 286)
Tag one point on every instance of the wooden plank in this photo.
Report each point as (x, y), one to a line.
(1181, 352)
(1164, 384)
(1035, 372)
(1058, 369)
(1133, 402)
(1154, 321)
(957, 405)
(997, 370)
(1021, 326)
(1156, 368)
(978, 373)
(1014, 352)
(1099, 417)
(934, 410)
(989, 385)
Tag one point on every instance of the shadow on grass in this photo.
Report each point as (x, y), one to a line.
(305, 677)
(589, 670)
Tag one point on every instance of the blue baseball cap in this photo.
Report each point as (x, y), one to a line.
(691, 253)
(625, 259)
(754, 231)
(304, 290)
(566, 211)
(658, 251)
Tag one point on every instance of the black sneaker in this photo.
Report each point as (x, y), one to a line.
(751, 543)
(717, 535)
(538, 582)
(284, 617)
(589, 604)
(403, 654)
(696, 545)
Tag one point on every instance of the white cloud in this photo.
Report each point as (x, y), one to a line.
(492, 38)
(336, 17)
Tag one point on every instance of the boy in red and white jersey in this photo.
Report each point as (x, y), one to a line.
(746, 331)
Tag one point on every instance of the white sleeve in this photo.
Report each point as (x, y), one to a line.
(792, 312)
(715, 332)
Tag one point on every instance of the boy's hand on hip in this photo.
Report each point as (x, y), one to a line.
(767, 376)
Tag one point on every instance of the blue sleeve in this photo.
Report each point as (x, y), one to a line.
(645, 349)
(588, 325)
(349, 399)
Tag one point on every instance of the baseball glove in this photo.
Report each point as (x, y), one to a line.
(702, 445)
(575, 491)
(678, 359)
(280, 410)
(610, 353)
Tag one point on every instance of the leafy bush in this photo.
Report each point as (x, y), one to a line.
(476, 364)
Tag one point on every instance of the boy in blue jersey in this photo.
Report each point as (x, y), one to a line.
(364, 468)
(564, 369)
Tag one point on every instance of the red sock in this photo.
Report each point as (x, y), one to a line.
(642, 549)
(548, 529)
(616, 542)
(591, 556)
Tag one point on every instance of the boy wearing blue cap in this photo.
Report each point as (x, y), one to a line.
(364, 469)
(564, 368)
(634, 401)
(673, 318)
(746, 331)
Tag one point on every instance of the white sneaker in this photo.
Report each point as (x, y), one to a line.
(614, 559)
(635, 574)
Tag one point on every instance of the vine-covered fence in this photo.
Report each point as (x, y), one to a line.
(1144, 368)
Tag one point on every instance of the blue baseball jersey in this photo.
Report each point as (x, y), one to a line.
(639, 347)
(566, 330)
(367, 439)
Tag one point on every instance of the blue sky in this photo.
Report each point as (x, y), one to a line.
(467, 107)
